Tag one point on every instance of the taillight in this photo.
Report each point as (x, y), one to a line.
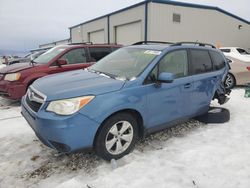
(248, 68)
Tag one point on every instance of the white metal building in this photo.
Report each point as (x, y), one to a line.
(52, 44)
(165, 20)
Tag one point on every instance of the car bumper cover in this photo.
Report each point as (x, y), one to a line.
(63, 133)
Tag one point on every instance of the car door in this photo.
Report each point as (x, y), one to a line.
(168, 102)
(75, 58)
(204, 78)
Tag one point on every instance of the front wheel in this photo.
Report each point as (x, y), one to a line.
(117, 136)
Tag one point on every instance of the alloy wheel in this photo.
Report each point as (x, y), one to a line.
(119, 137)
(229, 81)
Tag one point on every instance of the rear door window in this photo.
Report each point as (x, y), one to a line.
(75, 56)
(200, 61)
(97, 53)
(218, 60)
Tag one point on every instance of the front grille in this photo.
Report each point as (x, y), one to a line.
(34, 100)
(35, 106)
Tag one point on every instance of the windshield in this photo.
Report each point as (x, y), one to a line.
(27, 56)
(36, 54)
(125, 63)
(50, 54)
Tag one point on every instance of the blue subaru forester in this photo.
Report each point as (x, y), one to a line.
(134, 91)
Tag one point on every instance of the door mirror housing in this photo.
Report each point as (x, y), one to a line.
(61, 62)
(229, 60)
(166, 77)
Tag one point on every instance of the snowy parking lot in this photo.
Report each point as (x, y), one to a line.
(189, 155)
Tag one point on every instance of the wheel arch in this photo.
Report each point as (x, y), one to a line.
(136, 114)
(29, 80)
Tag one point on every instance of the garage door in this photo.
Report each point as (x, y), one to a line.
(96, 36)
(128, 33)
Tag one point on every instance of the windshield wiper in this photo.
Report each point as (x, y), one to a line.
(32, 62)
(102, 73)
(107, 74)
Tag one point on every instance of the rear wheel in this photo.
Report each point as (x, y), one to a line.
(230, 81)
(117, 136)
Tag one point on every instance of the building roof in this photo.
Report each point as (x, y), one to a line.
(176, 3)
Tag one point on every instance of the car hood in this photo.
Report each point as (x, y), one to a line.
(74, 84)
(15, 68)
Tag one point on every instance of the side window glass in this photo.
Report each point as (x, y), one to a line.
(218, 60)
(98, 53)
(201, 61)
(152, 77)
(226, 50)
(242, 51)
(175, 62)
(75, 56)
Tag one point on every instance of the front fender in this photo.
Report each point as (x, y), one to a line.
(33, 77)
(102, 106)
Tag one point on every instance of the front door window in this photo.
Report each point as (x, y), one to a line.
(75, 56)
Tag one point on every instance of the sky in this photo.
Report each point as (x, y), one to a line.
(24, 24)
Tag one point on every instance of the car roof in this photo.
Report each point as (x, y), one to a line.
(230, 47)
(161, 47)
(77, 45)
(158, 47)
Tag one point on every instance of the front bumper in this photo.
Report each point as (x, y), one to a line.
(63, 133)
(12, 90)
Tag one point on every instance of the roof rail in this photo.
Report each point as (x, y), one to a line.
(151, 42)
(80, 43)
(194, 43)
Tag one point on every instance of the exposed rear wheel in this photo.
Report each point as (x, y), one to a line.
(230, 81)
(117, 136)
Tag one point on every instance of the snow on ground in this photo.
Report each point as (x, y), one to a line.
(189, 155)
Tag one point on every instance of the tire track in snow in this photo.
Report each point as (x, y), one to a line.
(14, 117)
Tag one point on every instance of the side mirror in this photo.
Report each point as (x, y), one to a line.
(61, 62)
(166, 77)
(229, 60)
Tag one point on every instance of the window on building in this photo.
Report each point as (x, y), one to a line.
(176, 18)
(218, 60)
(200, 61)
(75, 56)
(98, 53)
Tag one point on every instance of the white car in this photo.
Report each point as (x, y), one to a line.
(236, 53)
(1, 62)
(239, 73)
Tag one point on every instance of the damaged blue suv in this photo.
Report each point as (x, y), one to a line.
(130, 93)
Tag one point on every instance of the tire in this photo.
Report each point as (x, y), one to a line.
(215, 115)
(118, 131)
(230, 81)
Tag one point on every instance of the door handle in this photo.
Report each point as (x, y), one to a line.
(188, 85)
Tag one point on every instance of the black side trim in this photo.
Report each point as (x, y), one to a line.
(160, 127)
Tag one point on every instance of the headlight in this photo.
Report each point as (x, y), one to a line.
(68, 106)
(12, 77)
